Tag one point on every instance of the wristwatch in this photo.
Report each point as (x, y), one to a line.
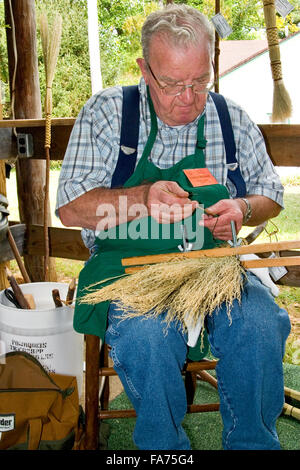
(248, 212)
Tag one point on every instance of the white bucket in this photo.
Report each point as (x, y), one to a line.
(46, 332)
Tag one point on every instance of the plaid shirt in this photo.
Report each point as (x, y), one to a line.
(93, 148)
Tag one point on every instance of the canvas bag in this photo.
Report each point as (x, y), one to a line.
(38, 411)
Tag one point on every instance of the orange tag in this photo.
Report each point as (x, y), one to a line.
(200, 177)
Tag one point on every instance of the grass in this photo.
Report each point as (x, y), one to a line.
(284, 227)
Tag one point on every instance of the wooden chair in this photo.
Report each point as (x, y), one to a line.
(97, 369)
(29, 240)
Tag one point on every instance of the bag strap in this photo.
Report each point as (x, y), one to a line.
(234, 173)
(129, 136)
(130, 133)
(35, 427)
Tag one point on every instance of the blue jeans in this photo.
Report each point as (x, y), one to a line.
(148, 359)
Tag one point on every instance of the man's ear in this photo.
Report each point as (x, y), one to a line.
(143, 68)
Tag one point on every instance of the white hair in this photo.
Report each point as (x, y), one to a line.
(182, 25)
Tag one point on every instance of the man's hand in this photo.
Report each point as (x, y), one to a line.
(167, 202)
(217, 218)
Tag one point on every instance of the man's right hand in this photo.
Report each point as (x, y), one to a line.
(167, 202)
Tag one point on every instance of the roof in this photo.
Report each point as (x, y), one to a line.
(235, 53)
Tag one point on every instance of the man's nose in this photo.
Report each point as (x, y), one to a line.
(188, 95)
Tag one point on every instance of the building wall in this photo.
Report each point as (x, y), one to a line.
(251, 84)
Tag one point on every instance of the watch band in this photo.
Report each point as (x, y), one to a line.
(248, 212)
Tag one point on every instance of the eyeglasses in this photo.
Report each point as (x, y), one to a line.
(198, 86)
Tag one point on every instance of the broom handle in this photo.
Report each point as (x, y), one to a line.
(249, 264)
(71, 292)
(214, 252)
(17, 290)
(289, 392)
(289, 410)
(272, 38)
(17, 255)
(272, 262)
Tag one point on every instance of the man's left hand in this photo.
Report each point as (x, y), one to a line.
(217, 218)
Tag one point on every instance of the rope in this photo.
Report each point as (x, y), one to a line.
(48, 131)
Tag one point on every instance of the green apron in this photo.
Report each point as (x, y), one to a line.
(122, 241)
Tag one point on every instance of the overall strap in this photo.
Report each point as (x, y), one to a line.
(130, 131)
(129, 136)
(234, 173)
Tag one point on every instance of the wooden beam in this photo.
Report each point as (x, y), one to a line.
(9, 123)
(282, 140)
(283, 143)
(292, 278)
(64, 243)
(60, 132)
(67, 243)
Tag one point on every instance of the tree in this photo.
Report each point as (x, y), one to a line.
(120, 24)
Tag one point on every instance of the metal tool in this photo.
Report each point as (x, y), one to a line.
(11, 297)
(3, 216)
(186, 245)
(235, 241)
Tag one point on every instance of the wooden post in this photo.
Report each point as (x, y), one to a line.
(217, 50)
(3, 279)
(31, 174)
(92, 392)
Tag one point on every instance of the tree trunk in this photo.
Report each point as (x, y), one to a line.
(27, 105)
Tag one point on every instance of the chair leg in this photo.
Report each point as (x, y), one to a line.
(92, 393)
(190, 386)
(191, 377)
(208, 378)
(104, 398)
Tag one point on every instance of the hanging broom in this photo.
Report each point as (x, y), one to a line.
(282, 105)
(50, 45)
(188, 285)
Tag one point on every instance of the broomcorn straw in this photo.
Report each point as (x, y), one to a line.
(282, 104)
(51, 39)
(187, 289)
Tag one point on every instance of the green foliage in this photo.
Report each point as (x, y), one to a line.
(120, 23)
(119, 29)
(71, 86)
(3, 54)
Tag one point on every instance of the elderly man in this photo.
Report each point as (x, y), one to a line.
(179, 129)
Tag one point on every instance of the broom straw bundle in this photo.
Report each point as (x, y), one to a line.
(186, 289)
(50, 45)
(282, 105)
(187, 285)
